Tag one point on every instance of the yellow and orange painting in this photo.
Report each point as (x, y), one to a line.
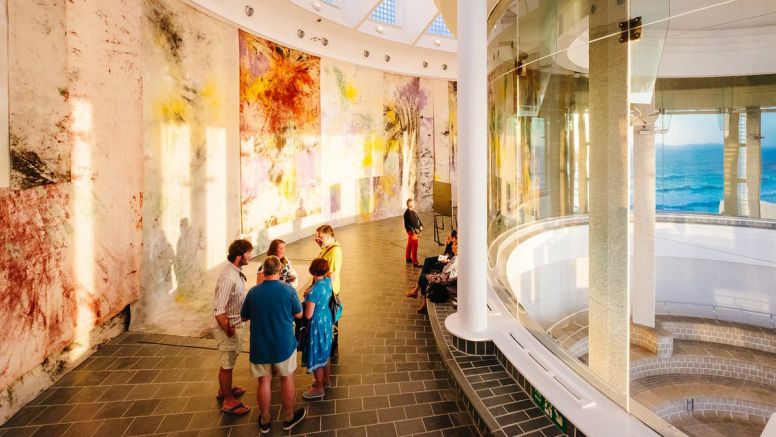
(279, 133)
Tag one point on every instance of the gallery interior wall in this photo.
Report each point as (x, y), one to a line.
(70, 222)
(144, 139)
(247, 138)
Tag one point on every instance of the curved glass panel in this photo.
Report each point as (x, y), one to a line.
(632, 197)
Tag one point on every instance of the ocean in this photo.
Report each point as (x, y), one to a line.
(689, 177)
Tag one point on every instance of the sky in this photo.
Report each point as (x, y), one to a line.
(705, 129)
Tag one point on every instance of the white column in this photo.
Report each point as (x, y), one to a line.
(471, 319)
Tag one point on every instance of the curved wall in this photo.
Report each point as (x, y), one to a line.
(127, 122)
(698, 268)
(245, 137)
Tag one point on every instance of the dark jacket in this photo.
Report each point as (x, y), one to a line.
(412, 222)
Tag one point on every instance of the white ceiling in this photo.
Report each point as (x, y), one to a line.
(412, 20)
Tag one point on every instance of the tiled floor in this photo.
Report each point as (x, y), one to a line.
(510, 410)
(389, 379)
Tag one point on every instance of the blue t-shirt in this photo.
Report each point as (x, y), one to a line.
(270, 306)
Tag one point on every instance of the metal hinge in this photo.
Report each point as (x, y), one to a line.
(630, 30)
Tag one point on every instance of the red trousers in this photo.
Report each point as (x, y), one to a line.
(412, 247)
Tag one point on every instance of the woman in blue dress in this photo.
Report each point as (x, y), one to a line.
(315, 354)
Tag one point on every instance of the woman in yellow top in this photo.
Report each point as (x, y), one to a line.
(332, 253)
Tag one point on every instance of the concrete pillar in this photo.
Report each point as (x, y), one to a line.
(642, 285)
(472, 317)
(582, 164)
(609, 305)
(730, 162)
(753, 160)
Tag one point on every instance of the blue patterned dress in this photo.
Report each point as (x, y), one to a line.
(318, 349)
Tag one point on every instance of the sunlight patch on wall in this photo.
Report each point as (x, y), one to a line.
(83, 226)
(216, 192)
(176, 184)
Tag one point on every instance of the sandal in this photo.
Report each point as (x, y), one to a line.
(236, 391)
(238, 410)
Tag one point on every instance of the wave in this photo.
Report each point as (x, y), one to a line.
(693, 188)
(697, 206)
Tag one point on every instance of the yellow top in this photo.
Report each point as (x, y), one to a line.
(333, 255)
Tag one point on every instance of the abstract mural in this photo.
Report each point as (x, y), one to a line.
(424, 187)
(191, 203)
(453, 133)
(280, 128)
(39, 116)
(352, 129)
(402, 105)
(71, 255)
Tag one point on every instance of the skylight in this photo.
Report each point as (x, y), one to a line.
(438, 27)
(385, 12)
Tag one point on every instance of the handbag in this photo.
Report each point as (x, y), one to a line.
(302, 332)
(437, 278)
(335, 306)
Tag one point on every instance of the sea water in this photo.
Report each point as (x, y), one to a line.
(690, 177)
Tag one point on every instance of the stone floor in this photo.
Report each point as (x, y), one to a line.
(388, 379)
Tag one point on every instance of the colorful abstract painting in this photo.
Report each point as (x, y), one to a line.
(39, 114)
(402, 105)
(453, 132)
(191, 149)
(352, 128)
(280, 128)
(424, 187)
(71, 252)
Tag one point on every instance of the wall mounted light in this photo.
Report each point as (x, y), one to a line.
(437, 42)
(249, 11)
(379, 29)
(366, 53)
(324, 41)
(387, 58)
(300, 33)
(317, 6)
(425, 64)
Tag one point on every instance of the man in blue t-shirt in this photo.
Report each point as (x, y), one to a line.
(272, 307)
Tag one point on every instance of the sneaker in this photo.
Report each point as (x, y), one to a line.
(298, 416)
(265, 428)
(310, 395)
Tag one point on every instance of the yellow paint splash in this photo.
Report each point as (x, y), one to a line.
(174, 108)
(350, 93)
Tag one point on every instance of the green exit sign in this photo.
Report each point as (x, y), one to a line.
(549, 410)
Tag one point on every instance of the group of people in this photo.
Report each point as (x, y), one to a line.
(273, 308)
(439, 272)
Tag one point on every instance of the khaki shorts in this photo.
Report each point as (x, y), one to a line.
(230, 347)
(286, 368)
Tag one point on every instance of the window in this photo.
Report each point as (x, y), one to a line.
(385, 12)
(438, 27)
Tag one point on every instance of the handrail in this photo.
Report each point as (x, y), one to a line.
(554, 325)
(714, 308)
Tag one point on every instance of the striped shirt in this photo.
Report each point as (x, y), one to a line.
(230, 294)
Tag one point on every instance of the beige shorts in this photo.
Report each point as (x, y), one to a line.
(230, 347)
(286, 368)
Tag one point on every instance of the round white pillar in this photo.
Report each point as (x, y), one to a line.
(472, 317)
